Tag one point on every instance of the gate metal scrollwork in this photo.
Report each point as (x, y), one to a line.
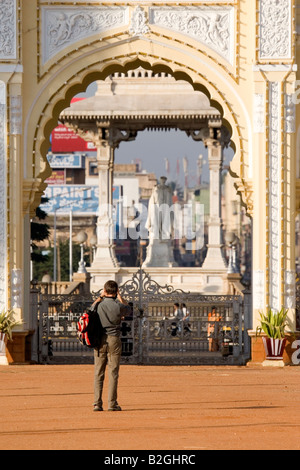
(151, 334)
(161, 339)
(141, 288)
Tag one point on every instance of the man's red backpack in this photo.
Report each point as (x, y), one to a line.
(89, 328)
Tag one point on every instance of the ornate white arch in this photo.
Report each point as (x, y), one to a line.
(74, 71)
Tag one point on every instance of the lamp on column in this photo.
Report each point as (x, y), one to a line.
(93, 242)
(231, 241)
(81, 238)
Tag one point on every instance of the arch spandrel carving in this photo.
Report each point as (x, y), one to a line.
(211, 29)
(63, 26)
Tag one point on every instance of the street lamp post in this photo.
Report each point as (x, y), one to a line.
(81, 238)
(57, 207)
(54, 250)
(71, 248)
(93, 242)
(231, 240)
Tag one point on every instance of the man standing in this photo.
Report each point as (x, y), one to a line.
(111, 309)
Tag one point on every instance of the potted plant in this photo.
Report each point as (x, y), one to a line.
(273, 325)
(7, 322)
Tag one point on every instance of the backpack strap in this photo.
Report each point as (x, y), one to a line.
(96, 303)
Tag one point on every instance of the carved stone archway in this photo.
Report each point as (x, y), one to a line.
(242, 54)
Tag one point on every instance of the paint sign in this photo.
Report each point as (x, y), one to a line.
(80, 199)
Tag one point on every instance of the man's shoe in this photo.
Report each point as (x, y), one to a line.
(115, 408)
(98, 408)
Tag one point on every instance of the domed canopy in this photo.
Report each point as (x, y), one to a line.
(139, 100)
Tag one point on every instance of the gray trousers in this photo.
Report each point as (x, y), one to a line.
(109, 355)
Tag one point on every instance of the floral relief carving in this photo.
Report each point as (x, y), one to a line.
(139, 21)
(2, 198)
(274, 196)
(212, 26)
(275, 29)
(65, 26)
(8, 29)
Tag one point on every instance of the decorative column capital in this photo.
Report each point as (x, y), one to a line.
(102, 134)
(33, 189)
(117, 135)
(89, 131)
(212, 136)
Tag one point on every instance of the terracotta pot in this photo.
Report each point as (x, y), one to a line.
(274, 348)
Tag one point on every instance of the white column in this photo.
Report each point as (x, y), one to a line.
(3, 200)
(214, 139)
(106, 138)
(214, 258)
(105, 253)
(274, 219)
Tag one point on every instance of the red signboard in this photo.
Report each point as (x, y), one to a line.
(57, 177)
(66, 141)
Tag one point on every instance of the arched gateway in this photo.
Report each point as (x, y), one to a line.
(241, 53)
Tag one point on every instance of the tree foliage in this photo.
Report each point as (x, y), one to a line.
(39, 231)
(63, 256)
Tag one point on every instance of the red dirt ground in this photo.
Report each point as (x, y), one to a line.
(164, 408)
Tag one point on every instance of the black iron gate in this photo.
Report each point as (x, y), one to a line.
(213, 332)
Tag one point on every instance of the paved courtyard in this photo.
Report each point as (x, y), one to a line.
(164, 408)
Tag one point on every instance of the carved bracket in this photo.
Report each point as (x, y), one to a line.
(212, 136)
(33, 190)
(101, 134)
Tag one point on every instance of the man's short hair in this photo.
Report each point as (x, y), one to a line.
(111, 287)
